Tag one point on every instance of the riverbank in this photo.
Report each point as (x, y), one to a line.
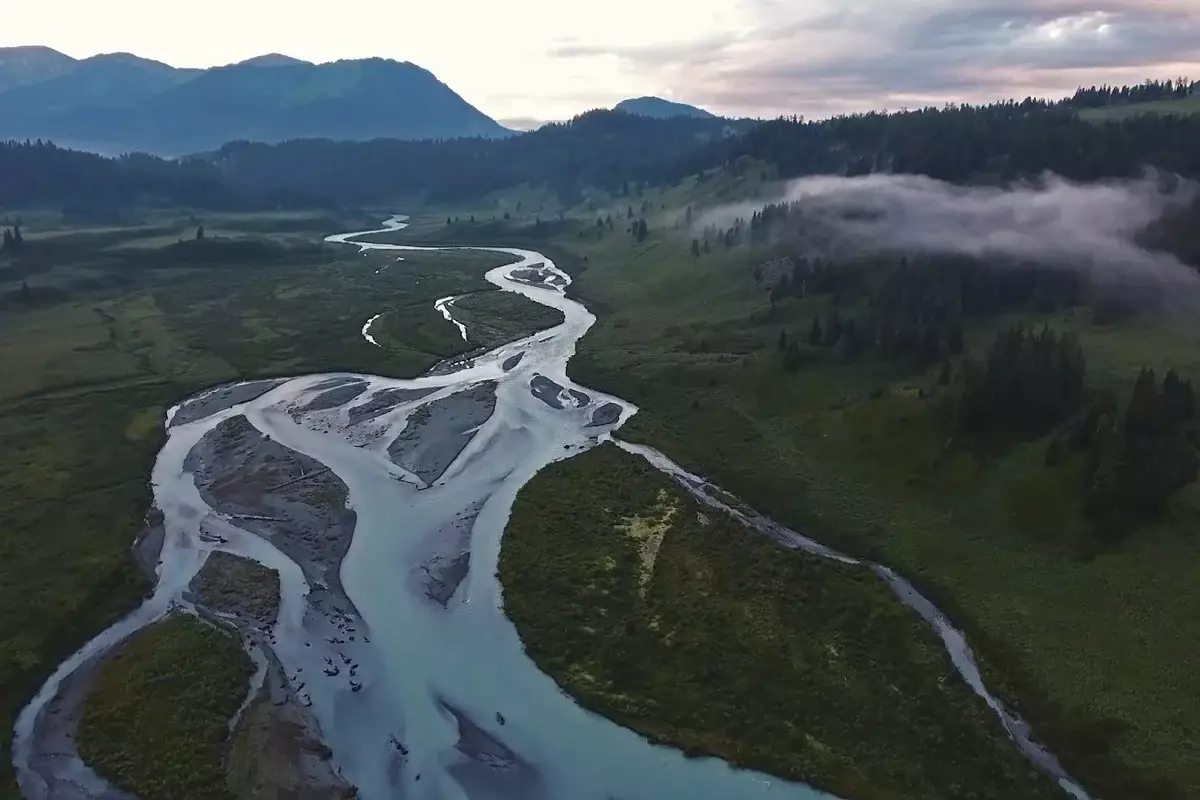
(638, 601)
(157, 717)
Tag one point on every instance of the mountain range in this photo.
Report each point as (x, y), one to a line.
(118, 102)
(661, 109)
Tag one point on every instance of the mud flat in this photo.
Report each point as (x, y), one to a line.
(449, 558)
(55, 755)
(147, 547)
(333, 398)
(438, 431)
(488, 767)
(383, 401)
(291, 500)
(277, 751)
(221, 398)
(547, 391)
(607, 414)
(534, 276)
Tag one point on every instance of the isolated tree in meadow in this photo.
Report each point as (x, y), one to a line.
(695, 248)
(9, 242)
(200, 232)
(640, 230)
(17, 237)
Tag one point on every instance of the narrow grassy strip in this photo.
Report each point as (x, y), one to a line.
(156, 722)
(679, 623)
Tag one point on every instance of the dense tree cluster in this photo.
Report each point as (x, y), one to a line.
(13, 238)
(623, 154)
(998, 142)
(1029, 383)
(915, 309)
(1151, 90)
(1137, 460)
(40, 173)
(609, 150)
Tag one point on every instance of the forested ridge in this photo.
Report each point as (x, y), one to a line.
(607, 149)
(993, 143)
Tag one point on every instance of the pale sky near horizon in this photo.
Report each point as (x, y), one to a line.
(526, 60)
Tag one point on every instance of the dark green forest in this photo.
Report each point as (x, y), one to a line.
(609, 150)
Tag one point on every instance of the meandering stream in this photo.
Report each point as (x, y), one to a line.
(442, 702)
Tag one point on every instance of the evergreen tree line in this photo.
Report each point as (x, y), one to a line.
(1135, 460)
(916, 309)
(1151, 90)
(967, 144)
(1028, 384)
(13, 239)
(619, 153)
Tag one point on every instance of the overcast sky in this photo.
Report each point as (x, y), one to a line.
(524, 60)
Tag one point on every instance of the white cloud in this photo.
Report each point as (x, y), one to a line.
(546, 59)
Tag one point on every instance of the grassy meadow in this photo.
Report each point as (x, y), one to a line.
(1185, 105)
(157, 719)
(680, 623)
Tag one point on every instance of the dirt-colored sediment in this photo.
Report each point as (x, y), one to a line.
(333, 398)
(607, 414)
(437, 432)
(277, 752)
(384, 401)
(293, 501)
(547, 391)
(221, 398)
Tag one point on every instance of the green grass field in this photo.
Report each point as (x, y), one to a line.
(113, 336)
(157, 720)
(1186, 105)
(680, 623)
(1087, 645)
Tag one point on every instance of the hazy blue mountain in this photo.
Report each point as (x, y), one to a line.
(660, 109)
(119, 102)
(22, 65)
(114, 80)
(271, 60)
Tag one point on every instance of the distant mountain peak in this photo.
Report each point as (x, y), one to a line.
(31, 63)
(31, 49)
(129, 58)
(272, 60)
(660, 108)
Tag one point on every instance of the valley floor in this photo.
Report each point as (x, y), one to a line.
(103, 329)
(1090, 645)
